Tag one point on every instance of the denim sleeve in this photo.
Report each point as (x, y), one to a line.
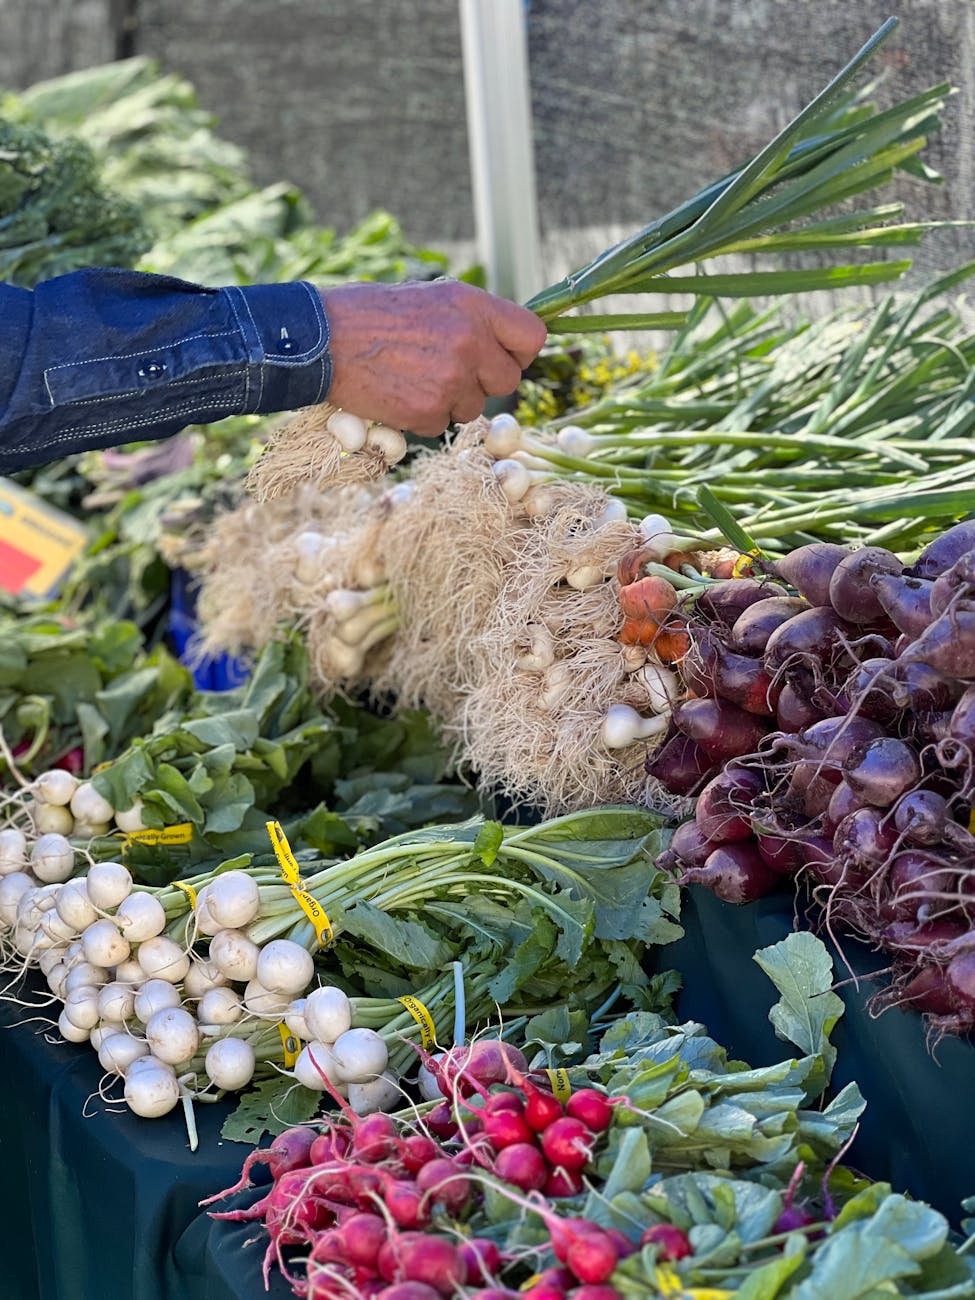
(103, 357)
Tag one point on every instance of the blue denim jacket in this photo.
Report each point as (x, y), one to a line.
(102, 357)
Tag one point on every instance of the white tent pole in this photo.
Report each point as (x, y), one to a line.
(499, 131)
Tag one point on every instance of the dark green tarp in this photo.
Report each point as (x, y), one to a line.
(103, 1206)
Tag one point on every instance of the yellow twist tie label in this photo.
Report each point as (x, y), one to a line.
(292, 874)
(282, 851)
(669, 1284)
(971, 822)
(289, 1045)
(744, 560)
(561, 1087)
(181, 833)
(188, 890)
(316, 914)
(428, 1031)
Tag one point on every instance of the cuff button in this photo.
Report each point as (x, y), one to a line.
(152, 370)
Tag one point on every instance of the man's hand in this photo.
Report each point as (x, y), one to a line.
(418, 356)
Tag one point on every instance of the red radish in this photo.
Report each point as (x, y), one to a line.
(440, 1121)
(290, 1150)
(556, 1276)
(474, 1068)
(443, 1184)
(505, 1128)
(416, 1151)
(480, 1259)
(592, 1108)
(672, 1242)
(624, 1246)
(590, 1255)
(499, 1101)
(376, 1138)
(363, 1235)
(524, 1166)
(562, 1183)
(410, 1291)
(792, 1218)
(407, 1204)
(543, 1291)
(329, 1146)
(543, 1108)
(568, 1143)
(422, 1257)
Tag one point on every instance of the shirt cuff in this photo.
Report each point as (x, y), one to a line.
(286, 337)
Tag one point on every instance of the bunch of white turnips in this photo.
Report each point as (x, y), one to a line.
(63, 805)
(162, 1017)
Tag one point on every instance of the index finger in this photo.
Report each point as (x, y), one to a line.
(518, 330)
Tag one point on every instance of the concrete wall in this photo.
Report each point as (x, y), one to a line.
(636, 102)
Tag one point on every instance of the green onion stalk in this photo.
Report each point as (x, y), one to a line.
(839, 147)
(825, 433)
(387, 1016)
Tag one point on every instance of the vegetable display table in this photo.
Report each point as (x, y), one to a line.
(918, 1131)
(93, 1203)
(97, 1204)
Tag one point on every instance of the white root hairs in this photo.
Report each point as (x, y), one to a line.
(249, 581)
(445, 550)
(471, 576)
(302, 451)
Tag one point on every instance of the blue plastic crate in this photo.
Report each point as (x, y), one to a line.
(222, 673)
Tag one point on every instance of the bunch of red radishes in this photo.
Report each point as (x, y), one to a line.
(377, 1205)
(832, 736)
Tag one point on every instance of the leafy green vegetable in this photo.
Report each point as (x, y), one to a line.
(800, 968)
(269, 1107)
(56, 215)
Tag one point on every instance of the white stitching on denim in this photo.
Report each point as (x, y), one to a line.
(120, 427)
(132, 392)
(297, 358)
(257, 332)
(243, 339)
(128, 356)
(321, 384)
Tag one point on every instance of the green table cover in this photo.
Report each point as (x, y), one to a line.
(92, 1200)
(918, 1131)
(103, 1206)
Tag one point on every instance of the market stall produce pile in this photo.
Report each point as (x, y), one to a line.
(697, 617)
(661, 1168)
